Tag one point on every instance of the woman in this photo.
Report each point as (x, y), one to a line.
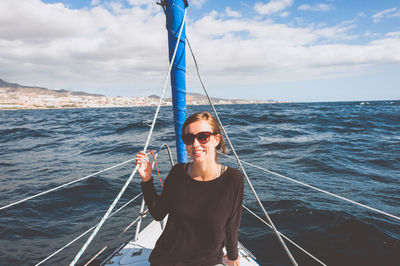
(203, 199)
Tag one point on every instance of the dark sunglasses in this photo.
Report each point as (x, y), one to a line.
(202, 137)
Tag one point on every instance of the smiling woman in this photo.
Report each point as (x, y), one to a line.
(203, 200)
(206, 121)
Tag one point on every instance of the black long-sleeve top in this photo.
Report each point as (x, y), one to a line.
(204, 216)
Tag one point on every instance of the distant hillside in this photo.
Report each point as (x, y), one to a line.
(191, 97)
(199, 97)
(5, 84)
(16, 96)
(16, 88)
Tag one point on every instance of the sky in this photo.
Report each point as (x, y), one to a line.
(286, 50)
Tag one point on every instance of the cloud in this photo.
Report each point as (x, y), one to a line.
(95, 2)
(316, 7)
(197, 3)
(94, 48)
(284, 14)
(361, 14)
(390, 13)
(370, 34)
(230, 13)
(122, 50)
(393, 34)
(337, 33)
(273, 6)
(140, 2)
(397, 14)
(252, 52)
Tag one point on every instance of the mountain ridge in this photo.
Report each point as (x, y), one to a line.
(14, 95)
(18, 88)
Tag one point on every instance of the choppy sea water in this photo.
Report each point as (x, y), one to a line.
(348, 148)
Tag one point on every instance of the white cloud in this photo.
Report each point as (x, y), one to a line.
(124, 50)
(370, 34)
(393, 34)
(392, 12)
(396, 14)
(231, 13)
(273, 6)
(316, 7)
(252, 52)
(95, 2)
(197, 3)
(93, 48)
(284, 14)
(338, 32)
(141, 2)
(361, 14)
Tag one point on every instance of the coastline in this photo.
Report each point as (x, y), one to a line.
(129, 106)
(27, 98)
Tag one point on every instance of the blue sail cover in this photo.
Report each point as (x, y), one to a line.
(175, 11)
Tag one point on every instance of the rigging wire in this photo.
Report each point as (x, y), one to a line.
(141, 213)
(318, 189)
(100, 224)
(64, 185)
(171, 160)
(87, 231)
(240, 164)
(117, 237)
(285, 237)
(80, 179)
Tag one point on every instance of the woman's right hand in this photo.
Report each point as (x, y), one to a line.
(144, 166)
(229, 262)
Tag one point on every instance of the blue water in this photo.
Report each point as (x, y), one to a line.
(349, 148)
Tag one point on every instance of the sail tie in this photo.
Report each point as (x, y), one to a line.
(158, 171)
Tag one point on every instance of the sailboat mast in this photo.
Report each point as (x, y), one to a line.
(175, 12)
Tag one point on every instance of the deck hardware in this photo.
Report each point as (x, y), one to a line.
(241, 246)
(137, 253)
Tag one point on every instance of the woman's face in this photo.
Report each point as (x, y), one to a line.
(201, 152)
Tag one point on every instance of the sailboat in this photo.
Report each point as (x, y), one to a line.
(137, 250)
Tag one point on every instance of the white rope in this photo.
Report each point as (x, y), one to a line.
(64, 185)
(240, 165)
(83, 234)
(145, 148)
(285, 237)
(320, 190)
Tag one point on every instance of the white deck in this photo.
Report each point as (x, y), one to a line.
(138, 252)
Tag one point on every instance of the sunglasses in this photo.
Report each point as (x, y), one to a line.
(202, 137)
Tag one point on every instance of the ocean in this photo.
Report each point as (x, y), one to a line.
(348, 148)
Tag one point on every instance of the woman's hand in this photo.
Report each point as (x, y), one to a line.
(229, 262)
(144, 166)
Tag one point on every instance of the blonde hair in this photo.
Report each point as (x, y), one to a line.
(214, 125)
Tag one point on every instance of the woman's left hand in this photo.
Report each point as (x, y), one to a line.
(229, 262)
